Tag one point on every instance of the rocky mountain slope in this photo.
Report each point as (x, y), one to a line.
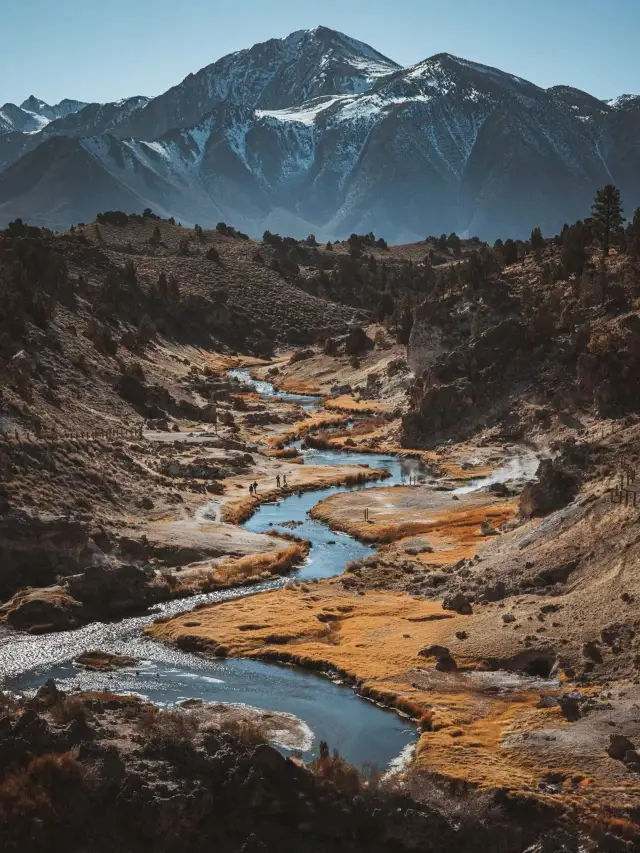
(320, 133)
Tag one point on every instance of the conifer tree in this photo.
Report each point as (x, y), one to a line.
(574, 255)
(537, 240)
(634, 234)
(510, 252)
(607, 216)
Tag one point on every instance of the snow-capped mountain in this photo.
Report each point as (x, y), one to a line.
(33, 115)
(51, 113)
(275, 74)
(318, 132)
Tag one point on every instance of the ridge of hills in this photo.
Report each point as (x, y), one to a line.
(319, 133)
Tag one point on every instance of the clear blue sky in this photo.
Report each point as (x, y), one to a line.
(99, 51)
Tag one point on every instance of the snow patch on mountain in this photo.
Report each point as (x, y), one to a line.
(623, 101)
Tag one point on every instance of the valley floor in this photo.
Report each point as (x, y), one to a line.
(511, 640)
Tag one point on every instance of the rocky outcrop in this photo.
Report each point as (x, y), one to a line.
(458, 602)
(459, 388)
(36, 549)
(115, 589)
(556, 486)
(357, 341)
(100, 592)
(610, 370)
(41, 611)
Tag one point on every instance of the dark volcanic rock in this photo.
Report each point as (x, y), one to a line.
(459, 602)
(34, 550)
(556, 486)
(113, 589)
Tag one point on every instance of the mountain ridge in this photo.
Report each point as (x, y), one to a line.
(322, 130)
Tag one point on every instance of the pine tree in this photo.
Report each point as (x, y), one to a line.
(537, 240)
(510, 252)
(574, 255)
(634, 234)
(607, 216)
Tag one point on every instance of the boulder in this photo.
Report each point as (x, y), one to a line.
(40, 611)
(444, 659)
(132, 389)
(619, 746)
(570, 706)
(111, 590)
(46, 696)
(556, 486)
(458, 602)
(301, 355)
(357, 341)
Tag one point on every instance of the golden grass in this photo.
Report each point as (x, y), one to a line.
(316, 421)
(459, 527)
(373, 641)
(282, 453)
(232, 571)
(297, 386)
(344, 403)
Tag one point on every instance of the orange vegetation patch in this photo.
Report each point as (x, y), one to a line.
(345, 403)
(231, 572)
(282, 453)
(297, 386)
(316, 421)
(398, 512)
(471, 731)
(322, 624)
(246, 397)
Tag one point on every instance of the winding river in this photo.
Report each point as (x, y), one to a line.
(362, 731)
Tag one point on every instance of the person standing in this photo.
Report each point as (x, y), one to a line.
(278, 481)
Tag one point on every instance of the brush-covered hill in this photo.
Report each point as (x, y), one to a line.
(83, 306)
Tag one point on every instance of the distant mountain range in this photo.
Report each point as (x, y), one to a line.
(318, 132)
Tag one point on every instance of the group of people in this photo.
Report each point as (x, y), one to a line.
(280, 483)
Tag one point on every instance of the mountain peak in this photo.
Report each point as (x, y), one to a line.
(623, 101)
(34, 105)
(335, 39)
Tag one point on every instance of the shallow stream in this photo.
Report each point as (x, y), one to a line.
(363, 732)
